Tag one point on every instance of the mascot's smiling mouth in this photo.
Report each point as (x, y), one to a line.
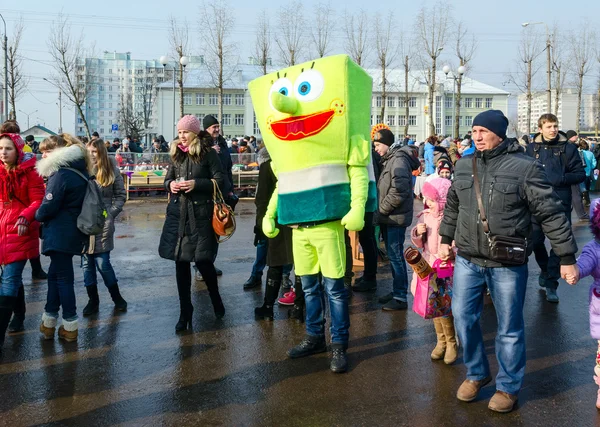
(298, 127)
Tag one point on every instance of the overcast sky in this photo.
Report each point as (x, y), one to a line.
(140, 27)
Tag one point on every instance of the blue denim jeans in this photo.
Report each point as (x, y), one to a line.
(61, 279)
(314, 296)
(507, 287)
(394, 244)
(101, 262)
(12, 278)
(261, 258)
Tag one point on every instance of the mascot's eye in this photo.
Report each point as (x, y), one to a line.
(309, 85)
(283, 86)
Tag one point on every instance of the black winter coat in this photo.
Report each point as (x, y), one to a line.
(280, 248)
(514, 187)
(187, 234)
(227, 165)
(62, 203)
(395, 186)
(562, 163)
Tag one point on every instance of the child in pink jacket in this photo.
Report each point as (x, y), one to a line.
(425, 235)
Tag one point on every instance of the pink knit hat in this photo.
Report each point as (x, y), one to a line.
(189, 123)
(437, 190)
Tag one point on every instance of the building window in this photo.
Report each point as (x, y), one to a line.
(101, 88)
(227, 99)
(110, 96)
(412, 120)
(102, 105)
(478, 102)
(226, 119)
(239, 119)
(110, 114)
(101, 122)
(378, 103)
(101, 130)
(187, 99)
(468, 121)
(200, 117)
(101, 113)
(468, 102)
(447, 102)
(391, 120)
(448, 121)
(213, 99)
(378, 118)
(401, 120)
(391, 102)
(412, 102)
(199, 99)
(372, 124)
(488, 102)
(460, 121)
(239, 99)
(110, 71)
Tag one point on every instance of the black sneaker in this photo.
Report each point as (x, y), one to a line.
(219, 272)
(364, 285)
(395, 305)
(309, 345)
(16, 324)
(386, 298)
(253, 282)
(339, 361)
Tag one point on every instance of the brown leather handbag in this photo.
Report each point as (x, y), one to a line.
(223, 220)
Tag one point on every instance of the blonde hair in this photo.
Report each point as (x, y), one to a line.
(105, 174)
(198, 147)
(66, 140)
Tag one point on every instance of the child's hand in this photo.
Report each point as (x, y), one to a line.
(570, 273)
(421, 229)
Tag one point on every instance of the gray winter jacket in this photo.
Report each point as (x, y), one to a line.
(114, 198)
(395, 186)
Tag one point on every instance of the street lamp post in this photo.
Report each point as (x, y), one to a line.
(549, 61)
(59, 104)
(28, 114)
(5, 70)
(461, 70)
(183, 61)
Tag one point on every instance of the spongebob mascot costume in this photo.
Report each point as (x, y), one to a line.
(315, 120)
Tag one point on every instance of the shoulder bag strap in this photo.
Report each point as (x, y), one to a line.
(484, 221)
(78, 173)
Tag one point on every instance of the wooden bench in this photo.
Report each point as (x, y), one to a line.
(147, 180)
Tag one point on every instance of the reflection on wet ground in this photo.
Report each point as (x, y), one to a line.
(132, 369)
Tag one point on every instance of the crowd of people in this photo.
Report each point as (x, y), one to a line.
(488, 202)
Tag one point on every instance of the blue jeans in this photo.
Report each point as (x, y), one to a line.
(261, 258)
(12, 278)
(315, 308)
(394, 244)
(102, 263)
(507, 287)
(61, 279)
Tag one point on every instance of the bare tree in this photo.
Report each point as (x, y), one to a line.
(130, 119)
(16, 79)
(217, 21)
(407, 53)
(386, 49)
(70, 74)
(147, 97)
(432, 26)
(322, 28)
(558, 65)
(263, 40)
(180, 43)
(291, 28)
(581, 44)
(356, 31)
(465, 50)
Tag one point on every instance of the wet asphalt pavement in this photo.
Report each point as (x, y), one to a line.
(132, 369)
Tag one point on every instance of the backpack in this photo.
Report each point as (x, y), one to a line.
(93, 212)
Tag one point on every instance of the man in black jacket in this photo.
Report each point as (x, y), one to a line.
(564, 168)
(514, 188)
(212, 126)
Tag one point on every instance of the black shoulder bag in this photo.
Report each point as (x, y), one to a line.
(503, 249)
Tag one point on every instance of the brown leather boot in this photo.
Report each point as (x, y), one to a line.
(451, 345)
(468, 390)
(440, 348)
(502, 402)
(68, 331)
(48, 326)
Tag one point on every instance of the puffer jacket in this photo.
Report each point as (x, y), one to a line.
(187, 234)
(63, 200)
(514, 188)
(589, 265)
(114, 197)
(395, 186)
(562, 163)
(429, 159)
(21, 194)
(226, 166)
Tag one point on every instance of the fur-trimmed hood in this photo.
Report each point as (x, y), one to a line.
(263, 156)
(60, 157)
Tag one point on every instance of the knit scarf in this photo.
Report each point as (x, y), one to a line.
(183, 148)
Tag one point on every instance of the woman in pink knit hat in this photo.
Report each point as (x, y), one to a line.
(187, 235)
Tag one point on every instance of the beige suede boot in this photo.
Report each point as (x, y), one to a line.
(440, 347)
(451, 345)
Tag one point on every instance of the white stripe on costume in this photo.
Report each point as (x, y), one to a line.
(312, 178)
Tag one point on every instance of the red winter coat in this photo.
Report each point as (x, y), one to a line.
(27, 188)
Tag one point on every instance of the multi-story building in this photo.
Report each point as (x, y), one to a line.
(201, 98)
(114, 79)
(567, 110)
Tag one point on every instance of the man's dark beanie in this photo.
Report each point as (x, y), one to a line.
(571, 134)
(208, 121)
(493, 120)
(29, 138)
(385, 137)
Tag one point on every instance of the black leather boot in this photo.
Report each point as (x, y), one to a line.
(94, 300)
(185, 317)
(16, 324)
(115, 294)
(339, 361)
(6, 309)
(297, 311)
(253, 282)
(271, 293)
(186, 310)
(215, 298)
(37, 272)
(310, 345)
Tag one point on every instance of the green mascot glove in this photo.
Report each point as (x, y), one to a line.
(354, 220)
(359, 185)
(268, 222)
